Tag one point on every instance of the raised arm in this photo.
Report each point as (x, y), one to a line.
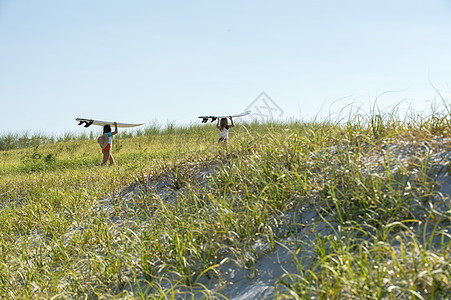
(231, 120)
(115, 129)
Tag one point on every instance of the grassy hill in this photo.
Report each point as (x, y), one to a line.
(329, 210)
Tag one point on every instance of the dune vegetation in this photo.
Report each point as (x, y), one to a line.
(356, 209)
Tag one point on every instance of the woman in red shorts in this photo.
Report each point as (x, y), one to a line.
(107, 156)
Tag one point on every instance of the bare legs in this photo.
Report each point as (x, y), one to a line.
(107, 156)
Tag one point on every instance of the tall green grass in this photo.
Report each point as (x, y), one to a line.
(178, 207)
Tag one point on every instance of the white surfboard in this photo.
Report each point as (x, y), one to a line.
(213, 118)
(89, 122)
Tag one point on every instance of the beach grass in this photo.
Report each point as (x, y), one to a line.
(178, 210)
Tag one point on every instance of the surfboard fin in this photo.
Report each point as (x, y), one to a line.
(86, 122)
(204, 120)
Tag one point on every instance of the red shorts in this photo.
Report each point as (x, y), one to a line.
(108, 147)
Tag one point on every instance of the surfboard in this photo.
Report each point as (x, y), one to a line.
(213, 118)
(89, 122)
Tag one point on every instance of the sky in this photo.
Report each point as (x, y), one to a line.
(162, 62)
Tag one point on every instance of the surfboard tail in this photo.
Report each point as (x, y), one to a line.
(86, 122)
(214, 118)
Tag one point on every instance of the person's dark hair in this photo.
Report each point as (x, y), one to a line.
(106, 128)
(223, 123)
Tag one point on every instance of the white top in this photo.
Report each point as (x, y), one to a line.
(224, 132)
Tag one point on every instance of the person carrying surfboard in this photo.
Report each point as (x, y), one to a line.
(223, 126)
(107, 156)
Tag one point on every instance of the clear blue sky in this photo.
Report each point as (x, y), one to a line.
(145, 61)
